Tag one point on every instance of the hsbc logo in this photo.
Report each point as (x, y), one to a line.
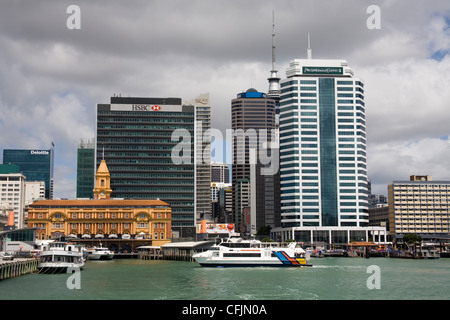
(145, 107)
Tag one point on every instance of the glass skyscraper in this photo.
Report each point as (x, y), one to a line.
(136, 137)
(323, 151)
(35, 165)
(85, 169)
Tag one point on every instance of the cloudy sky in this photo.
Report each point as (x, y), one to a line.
(52, 77)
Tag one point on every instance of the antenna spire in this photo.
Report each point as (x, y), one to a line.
(309, 48)
(274, 81)
(273, 40)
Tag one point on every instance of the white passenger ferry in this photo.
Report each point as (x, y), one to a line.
(100, 253)
(236, 252)
(56, 257)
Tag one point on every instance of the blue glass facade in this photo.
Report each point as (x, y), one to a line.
(328, 177)
(35, 165)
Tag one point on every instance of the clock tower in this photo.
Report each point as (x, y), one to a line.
(102, 188)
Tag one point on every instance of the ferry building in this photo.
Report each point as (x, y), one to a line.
(102, 217)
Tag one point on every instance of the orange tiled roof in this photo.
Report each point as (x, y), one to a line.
(100, 203)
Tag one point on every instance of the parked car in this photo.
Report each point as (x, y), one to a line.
(6, 256)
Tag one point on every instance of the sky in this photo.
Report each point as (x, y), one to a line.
(52, 76)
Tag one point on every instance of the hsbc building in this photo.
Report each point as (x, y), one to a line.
(134, 136)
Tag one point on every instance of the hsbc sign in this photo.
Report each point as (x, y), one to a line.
(145, 107)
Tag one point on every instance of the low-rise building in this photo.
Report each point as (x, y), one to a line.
(102, 216)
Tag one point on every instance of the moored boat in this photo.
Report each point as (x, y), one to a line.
(100, 253)
(57, 257)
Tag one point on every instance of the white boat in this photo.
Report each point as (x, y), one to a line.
(56, 257)
(100, 253)
(236, 252)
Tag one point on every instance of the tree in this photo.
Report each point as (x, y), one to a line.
(264, 231)
(412, 239)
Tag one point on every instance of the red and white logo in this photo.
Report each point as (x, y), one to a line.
(156, 108)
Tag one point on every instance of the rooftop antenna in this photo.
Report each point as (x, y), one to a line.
(309, 48)
(274, 81)
(273, 40)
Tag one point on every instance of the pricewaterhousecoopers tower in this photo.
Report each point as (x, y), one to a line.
(323, 160)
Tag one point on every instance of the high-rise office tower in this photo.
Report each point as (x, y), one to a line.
(202, 155)
(148, 144)
(35, 165)
(323, 150)
(85, 168)
(253, 122)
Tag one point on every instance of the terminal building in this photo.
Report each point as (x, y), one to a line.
(102, 217)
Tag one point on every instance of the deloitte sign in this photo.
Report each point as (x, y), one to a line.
(40, 152)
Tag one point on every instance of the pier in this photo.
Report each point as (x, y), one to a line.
(17, 267)
(178, 251)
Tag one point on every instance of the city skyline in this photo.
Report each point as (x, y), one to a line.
(52, 77)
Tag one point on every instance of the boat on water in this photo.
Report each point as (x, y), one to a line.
(57, 257)
(237, 252)
(100, 253)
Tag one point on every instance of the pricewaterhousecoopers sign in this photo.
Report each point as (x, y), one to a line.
(323, 70)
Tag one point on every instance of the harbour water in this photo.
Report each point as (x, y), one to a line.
(329, 278)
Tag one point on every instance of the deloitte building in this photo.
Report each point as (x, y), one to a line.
(324, 190)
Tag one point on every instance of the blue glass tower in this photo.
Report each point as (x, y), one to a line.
(323, 146)
(35, 165)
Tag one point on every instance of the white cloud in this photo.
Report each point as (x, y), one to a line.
(399, 160)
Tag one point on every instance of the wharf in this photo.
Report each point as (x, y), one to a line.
(17, 267)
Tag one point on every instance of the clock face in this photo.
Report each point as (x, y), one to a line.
(102, 193)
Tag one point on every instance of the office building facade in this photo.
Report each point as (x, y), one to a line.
(85, 168)
(253, 124)
(220, 172)
(202, 155)
(419, 206)
(324, 184)
(148, 144)
(12, 193)
(35, 165)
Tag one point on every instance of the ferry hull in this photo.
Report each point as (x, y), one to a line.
(50, 268)
(101, 257)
